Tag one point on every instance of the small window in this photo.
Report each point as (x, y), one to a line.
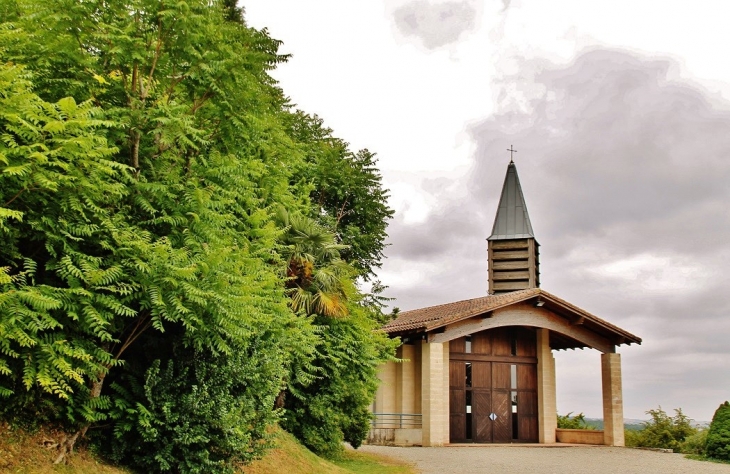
(513, 376)
(468, 374)
(515, 418)
(467, 344)
(468, 416)
(513, 344)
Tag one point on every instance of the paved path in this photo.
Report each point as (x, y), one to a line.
(546, 460)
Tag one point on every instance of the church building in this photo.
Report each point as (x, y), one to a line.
(482, 370)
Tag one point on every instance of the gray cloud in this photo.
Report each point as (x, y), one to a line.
(625, 173)
(435, 24)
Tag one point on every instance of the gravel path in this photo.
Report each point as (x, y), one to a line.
(546, 460)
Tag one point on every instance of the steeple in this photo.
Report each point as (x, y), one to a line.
(513, 250)
(512, 220)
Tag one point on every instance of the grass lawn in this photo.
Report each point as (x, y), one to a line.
(27, 453)
(22, 452)
(699, 457)
(290, 457)
(366, 463)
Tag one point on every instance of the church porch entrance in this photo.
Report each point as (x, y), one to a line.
(493, 387)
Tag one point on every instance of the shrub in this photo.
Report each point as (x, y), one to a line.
(333, 408)
(632, 438)
(718, 437)
(577, 422)
(195, 412)
(663, 431)
(695, 444)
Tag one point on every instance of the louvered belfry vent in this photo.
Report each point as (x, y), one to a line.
(514, 262)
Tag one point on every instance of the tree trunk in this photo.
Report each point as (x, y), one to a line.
(280, 399)
(66, 446)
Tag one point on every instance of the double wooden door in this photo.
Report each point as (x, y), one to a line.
(492, 402)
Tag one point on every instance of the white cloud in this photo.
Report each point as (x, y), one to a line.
(435, 24)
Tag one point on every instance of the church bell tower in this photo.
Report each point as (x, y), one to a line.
(514, 262)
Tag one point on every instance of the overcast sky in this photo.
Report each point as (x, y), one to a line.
(620, 114)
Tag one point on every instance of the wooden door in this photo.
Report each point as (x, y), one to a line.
(482, 424)
(457, 402)
(491, 408)
(493, 387)
(502, 424)
(526, 403)
(481, 386)
(501, 405)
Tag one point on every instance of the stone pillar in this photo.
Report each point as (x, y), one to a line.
(406, 383)
(547, 411)
(385, 396)
(434, 399)
(613, 403)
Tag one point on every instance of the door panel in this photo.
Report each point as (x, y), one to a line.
(456, 402)
(457, 428)
(457, 375)
(527, 403)
(500, 376)
(527, 413)
(480, 416)
(481, 375)
(526, 343)
(528, 429)
(501, 345)
(501, 407)
(457, 345)
(526, 377)
(481, 343)
(457, 416)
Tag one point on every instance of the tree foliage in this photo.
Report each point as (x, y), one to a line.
(346, 192)
(577, 422)
(328, 401)
(144, 153)
(334, 407)
(318, 280)
(718, 436)
(663, 431)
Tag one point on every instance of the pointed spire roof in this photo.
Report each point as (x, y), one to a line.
(512, 220)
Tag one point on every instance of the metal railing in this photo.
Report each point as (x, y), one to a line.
(396, 420)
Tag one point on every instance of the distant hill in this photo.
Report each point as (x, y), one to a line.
(636, 424)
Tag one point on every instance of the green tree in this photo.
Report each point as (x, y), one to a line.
(136, 186)
(346, 192)
(329, 398)
(318, 281)
(334, 406)
(144, 150)
(718, 437)
(663, 431)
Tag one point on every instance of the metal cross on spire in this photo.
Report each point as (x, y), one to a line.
(511, 152)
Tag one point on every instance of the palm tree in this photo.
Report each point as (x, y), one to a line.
(318, 281)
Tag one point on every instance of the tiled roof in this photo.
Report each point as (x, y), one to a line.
(433, 317)
(437, 316)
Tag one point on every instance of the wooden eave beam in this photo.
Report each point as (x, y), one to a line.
(524, 315)
(609, 331)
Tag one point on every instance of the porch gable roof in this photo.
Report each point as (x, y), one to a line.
(436, 317)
